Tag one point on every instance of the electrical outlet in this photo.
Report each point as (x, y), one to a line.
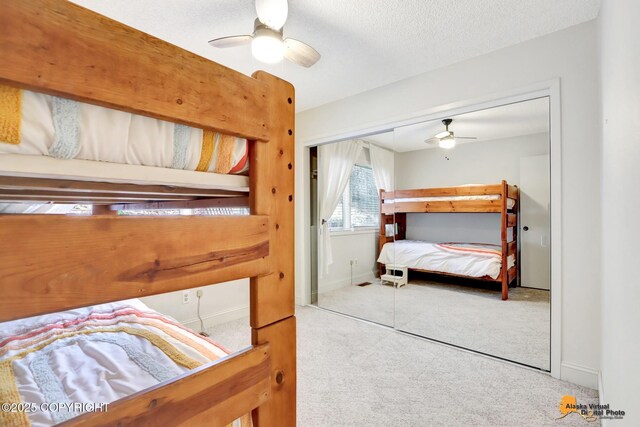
(186, 297)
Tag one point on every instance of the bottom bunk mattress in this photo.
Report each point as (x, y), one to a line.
(56, 366)
(465, 259)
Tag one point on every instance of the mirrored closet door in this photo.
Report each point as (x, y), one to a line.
(472, 213)
(347, 179)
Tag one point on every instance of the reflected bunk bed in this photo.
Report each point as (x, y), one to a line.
(55, 266)
(468, 260)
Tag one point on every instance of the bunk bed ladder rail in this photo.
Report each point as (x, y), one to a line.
(509, 247)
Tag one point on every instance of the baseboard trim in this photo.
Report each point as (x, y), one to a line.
(580, 375)
(214, 319)
(602, 400)
(341, 283)
(600, 387)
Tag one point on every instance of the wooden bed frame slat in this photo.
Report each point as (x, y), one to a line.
(51, 263)
(511, 274)
(466, 190)
(214, 395)
(73, 201)
(462, 206)
(71, 195)
(78, 51)
(84, 188)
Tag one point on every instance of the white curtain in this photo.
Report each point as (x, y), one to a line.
(382, 166)
(335, 162)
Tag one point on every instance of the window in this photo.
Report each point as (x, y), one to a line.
(360, 204)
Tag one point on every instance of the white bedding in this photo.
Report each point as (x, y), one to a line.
(510, 202)
(76, 356)
(63, 129)
(450, 259)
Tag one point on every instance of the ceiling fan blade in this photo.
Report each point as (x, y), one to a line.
(300, 53)
(432, 141)
(466, 137)
(272, 13)
(442, 134)
(230, 41)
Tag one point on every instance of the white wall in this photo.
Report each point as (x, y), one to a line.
(359, 246)
(570, 55)
(220, 303)
(486, 162)
(620, 86)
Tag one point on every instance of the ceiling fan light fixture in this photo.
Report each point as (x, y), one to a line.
(268, 44)
(447, 142)
(267, 47)
(272, 13)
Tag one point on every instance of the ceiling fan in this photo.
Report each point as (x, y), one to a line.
(446, 138)
(267, 41)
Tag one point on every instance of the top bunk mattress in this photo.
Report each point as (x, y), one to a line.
(95, 355)
(42, 125)
(510, 202)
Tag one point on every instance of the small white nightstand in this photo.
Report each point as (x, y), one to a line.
(396, 274)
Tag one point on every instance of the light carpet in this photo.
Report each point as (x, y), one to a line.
(467, 316)
(353, 373)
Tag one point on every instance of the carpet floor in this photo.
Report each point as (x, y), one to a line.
(467, 316)
(353, 373)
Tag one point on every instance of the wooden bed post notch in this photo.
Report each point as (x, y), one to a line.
(272, 295)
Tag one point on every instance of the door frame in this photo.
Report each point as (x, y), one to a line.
(522, 220)
(548, 88)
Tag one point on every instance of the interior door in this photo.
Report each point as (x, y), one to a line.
(535, 222)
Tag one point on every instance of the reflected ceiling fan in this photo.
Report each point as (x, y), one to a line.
(446, 138)
(267, 41)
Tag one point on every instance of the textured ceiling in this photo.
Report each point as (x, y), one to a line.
(364, 43)
(506, 121)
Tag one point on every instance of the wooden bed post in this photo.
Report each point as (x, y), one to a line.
(504, 275)
(516, 210)
(272, 296)
(382, 238)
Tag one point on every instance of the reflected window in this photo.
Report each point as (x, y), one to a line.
(360, 204)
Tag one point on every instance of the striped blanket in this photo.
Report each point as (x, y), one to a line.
(93, 356)
(480, 249)
(37, 124)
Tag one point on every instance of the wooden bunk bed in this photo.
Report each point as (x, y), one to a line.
(497, 198)
(52, 263)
